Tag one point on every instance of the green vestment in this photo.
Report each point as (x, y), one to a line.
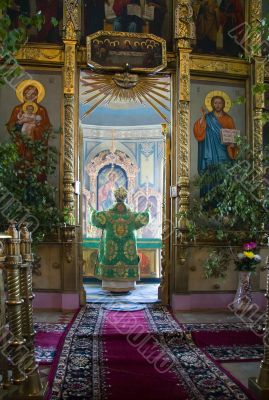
(117, 258)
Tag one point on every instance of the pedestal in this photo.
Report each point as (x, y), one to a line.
(243, 298)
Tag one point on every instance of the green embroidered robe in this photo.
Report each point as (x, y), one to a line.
(117, 258)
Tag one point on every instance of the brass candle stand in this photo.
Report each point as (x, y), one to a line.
(26, 285)
(260, 386)
(21, 378)
(3, 327)
(14, 302)
(32, 387)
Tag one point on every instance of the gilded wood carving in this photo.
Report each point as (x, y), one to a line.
(72, 19)
(72, 28)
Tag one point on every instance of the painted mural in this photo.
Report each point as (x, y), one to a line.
(220, 26)
(29, 123)
(214, 110)
(134, 162)
(109, 179)
(141, 16)
(28, 117)
(113, 50)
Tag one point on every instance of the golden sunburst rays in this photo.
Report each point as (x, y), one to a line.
(102, 90)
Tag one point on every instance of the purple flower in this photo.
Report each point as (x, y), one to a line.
(249, 246)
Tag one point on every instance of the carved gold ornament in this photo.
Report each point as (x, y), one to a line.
(184, 24)
(121, 193)
(105, 89)
(30, 82)
(126, 80)
(219, 93)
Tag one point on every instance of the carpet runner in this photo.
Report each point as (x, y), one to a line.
(146, 354)
(227, 342)
(47, 339)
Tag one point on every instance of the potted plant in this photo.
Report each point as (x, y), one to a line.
(233, 211)
(26, 194)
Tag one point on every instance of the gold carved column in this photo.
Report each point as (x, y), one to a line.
(163, 290)
(72, 12)
(71, 35)
(258, 70)
(259, 386)
(184, 34)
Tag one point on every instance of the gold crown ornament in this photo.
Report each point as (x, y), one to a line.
(120, 194)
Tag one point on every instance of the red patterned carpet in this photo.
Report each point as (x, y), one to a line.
(228, 342)
(47, 341)
(146, 354)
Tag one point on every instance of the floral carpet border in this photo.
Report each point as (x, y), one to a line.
(215, 326)
(81, 371)
(235, 353)
(202, 377)
(80, 368)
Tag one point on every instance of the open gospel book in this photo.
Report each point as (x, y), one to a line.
(229, 136)
(146, 12)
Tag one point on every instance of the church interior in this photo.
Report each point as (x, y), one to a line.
(134, 229)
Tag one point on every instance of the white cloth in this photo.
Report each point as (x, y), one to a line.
(116, 286)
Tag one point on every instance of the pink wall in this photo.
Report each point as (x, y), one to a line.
(59, 301)
(187, 302)
(207, 301)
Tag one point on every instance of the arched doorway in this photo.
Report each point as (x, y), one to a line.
(124, 145)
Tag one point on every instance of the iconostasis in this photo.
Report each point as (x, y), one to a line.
(220, 24)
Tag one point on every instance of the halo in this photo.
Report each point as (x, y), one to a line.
(29, 103)
(220, 93)
(30, 82)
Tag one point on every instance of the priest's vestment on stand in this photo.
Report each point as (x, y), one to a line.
(118, 260)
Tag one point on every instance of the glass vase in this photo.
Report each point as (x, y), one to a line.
(243, 298)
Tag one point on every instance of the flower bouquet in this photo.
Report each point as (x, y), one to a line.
(245, 263)
(247, 260)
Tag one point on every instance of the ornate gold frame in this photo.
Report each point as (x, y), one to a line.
(127, 35)
(181, 64)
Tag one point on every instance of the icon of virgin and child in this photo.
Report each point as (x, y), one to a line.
(29, 121)
(30, 117)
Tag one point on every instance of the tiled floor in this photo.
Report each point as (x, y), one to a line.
(242, 371)
(53, 317)
(206, 316)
